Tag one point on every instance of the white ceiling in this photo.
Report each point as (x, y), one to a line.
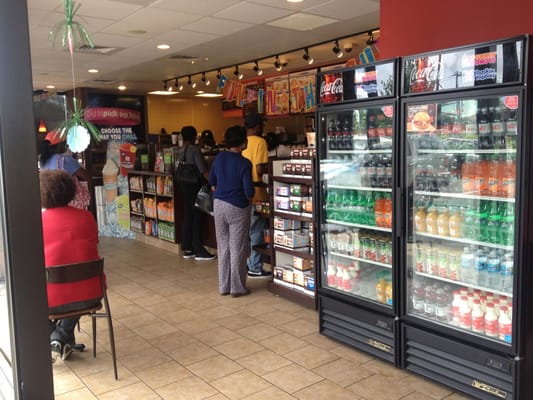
(212, 33)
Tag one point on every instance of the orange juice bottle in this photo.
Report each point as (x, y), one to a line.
(380, 287)
(443, 226)
(455, 223)
(420, 219)
(431, 220)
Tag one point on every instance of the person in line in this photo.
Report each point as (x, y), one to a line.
(70, 235)
(257, 153)
(231, 177)
(54, 154)
(191, 239)
(274, 146)
(207, 141)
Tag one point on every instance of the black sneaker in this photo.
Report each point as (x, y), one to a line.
(204, 257)
(188, 254)
(259, 274)
(55, 350)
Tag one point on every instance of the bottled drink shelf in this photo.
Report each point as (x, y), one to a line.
(370, 227)
(361, 259)
(464, 196)
(362, 151)
(363, 188)
(470, 285)
(466, 151)
(464, 241)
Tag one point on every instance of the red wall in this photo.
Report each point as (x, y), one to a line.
(415, 26)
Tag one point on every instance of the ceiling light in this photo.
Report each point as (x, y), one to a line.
(307, 57)
(277, 64)
(208, 95)
(122, 87)
(219, 74)
(162, 93)
(180, 87)
(205, 80)
(163, 46)
(294, 1)
(258, 70)
(50, 87)
(336, 49)
(93, 70)
(237, 73)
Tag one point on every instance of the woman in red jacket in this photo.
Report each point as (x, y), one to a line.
(70, 235)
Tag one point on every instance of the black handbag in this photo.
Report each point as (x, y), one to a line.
(188, 173)
(204, 200)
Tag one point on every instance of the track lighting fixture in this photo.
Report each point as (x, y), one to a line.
(191, 83)
(337, 50)
(219, 74)
(307, 57)
(370, 41)
(180, 87)
(258, 70)
(237, 73)
(165, 85)
(205, 80)
(277, 64)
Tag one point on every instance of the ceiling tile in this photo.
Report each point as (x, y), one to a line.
(254, 13)
(302, 22)
(216, 26)
(200, 7)
(344, 9)
(113, 10)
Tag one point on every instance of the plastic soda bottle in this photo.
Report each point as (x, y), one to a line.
(379, 211)
(478, 317)
(387, 210)
(491, 321)
(480, 268)
(494, 224)
(507, 225)
(442, 306)
(430, 303)
(469, 223)
(467, 173)
(482, 175)
(346, 280)
(493, 270)
(338, 277)
(505, 325)
(418, 299)
(508, 179)
(331, 274)
(454, 265)
(467, 265)
(506, 272)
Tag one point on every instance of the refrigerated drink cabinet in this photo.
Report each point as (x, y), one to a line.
(466, 151)
(357, 289)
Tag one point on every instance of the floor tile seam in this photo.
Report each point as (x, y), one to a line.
(276, 369)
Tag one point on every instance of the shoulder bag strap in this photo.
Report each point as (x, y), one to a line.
(184, 159)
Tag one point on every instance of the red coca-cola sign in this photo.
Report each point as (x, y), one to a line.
(331, 88)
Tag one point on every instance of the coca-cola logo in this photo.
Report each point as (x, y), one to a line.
(427, 75)
(334, 87)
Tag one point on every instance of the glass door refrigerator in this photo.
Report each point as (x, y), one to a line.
(466, 168)
(356, 148)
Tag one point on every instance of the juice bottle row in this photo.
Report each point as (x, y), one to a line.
(484, 221)
(478, 174)
(360, 207)
(480, 266)
(366, 282)
(361, 244)
(478, 311)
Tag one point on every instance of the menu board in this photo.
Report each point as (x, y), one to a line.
(302, 92)
(277, 95)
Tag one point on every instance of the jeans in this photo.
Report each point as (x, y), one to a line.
(257, 227)
(63, 330)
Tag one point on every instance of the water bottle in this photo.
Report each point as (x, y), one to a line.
(480, 268)
(493, 270)
(506, 272)
(467, 265)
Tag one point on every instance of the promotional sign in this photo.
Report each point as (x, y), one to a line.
(331, 88)
(302, 92)
(277, 95)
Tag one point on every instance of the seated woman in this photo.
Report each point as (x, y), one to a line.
(70, 235)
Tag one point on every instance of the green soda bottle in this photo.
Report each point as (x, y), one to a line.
(507, 225)
(494, 224)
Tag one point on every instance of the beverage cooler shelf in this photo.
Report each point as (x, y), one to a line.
(364, 260)
(464, 196)
(294, 179)
(483, 288)
(466, 151)
(362, 188)
(301, 253)
(294, 215)
(370, 227)
(381, 151)
(465, 241)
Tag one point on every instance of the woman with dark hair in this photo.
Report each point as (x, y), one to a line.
(231, 175)
(207, 140)
(70, 235)
(191, 239)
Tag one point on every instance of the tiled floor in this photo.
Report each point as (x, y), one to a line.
(178, 339)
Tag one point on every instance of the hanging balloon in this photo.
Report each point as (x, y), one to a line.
(78, 138)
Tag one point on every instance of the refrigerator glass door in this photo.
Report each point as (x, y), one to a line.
(461, 172)
(356, 182)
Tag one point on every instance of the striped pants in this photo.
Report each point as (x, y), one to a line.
(232, 226)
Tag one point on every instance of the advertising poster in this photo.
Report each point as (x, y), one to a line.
(302, 92)
(277, 95)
